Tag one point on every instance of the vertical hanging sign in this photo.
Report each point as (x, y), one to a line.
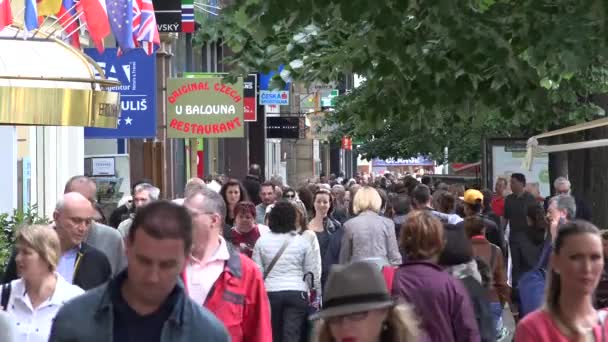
(250, 90)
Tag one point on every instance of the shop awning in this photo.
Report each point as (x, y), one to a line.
(44, 81)
(533, 147)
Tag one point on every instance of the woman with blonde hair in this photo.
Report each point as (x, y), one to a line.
(440, 300)
(568, 313)
(369, 236)
(358, 307)
(34, 299)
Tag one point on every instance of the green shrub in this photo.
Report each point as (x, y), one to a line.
(9, 223)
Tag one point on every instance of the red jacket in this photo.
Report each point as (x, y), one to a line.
(238, 298)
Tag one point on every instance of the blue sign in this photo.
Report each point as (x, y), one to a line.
(136, 72)
(266, 79)
(268, 97)
(414, 161)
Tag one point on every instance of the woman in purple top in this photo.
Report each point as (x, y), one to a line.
(440, 301)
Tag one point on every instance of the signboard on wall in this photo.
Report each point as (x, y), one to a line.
(271, 97)
(168, 15)
(136, 71)
(281, 127)
(250, 104)
(505, 157)
(204, 107)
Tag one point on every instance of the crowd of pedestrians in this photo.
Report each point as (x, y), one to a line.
(363, 259)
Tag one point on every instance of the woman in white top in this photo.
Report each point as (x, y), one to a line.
(284, 281)
(36, 297)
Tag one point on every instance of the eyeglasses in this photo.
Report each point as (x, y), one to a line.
(355, 317)
(290, 196)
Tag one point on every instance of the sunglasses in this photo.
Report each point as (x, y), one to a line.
(289, 195)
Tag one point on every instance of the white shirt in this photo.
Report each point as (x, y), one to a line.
(34, 325)
(200, 276)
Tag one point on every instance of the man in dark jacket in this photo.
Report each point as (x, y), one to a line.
(80, 264)
(124, 211)
(252, 183)
(145, 302)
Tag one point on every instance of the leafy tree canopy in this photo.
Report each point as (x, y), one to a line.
(438, 72)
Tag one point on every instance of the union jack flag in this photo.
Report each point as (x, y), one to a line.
(145, 30)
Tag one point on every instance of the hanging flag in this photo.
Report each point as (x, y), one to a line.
(6, 15)
(31, 15)
(48, 7)
(120, 13)
(95, 15)
(67, 14)
(147, 34)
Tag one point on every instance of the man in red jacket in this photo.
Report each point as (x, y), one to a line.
(227, 283)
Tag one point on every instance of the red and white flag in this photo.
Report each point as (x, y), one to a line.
(96, 18)
(6, 15)
(147, 32)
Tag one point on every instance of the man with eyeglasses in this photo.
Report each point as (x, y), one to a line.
(562, 186)
(104, 238)
(80, 264)
(220, 278)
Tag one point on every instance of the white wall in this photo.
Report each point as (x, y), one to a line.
(93, 147)
(8, 171)
(58, 155)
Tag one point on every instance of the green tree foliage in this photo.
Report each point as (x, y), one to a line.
(438, 72)
(9, 223)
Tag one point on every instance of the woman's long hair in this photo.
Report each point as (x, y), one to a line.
(554, 290)
(401, 326)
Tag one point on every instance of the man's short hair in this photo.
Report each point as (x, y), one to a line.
(421, 194)
(69, 185)
(567, 203)
(151, 189)
(561, 180)
(163, 220)
(212, 203)
(270, 184)
(193, 185)
(519, 177)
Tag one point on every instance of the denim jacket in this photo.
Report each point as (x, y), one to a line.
(90, 317)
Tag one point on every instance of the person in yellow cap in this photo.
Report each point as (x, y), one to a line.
(473, 206)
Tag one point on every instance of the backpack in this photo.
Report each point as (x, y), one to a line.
(531, 285)
(487, 270)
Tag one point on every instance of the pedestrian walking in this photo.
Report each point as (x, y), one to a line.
(369, 236)
(285, 258)
(144, 302)
(439, 300)
(233, 192)
(328, 231)
(32, 301)
(220, 277)
(568, 314)
(358, 307)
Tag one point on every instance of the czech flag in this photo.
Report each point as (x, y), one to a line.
(6, 15)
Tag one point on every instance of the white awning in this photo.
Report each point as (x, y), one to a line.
(533, 147)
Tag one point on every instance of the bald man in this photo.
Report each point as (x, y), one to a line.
(80, 264)
(105, 238)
